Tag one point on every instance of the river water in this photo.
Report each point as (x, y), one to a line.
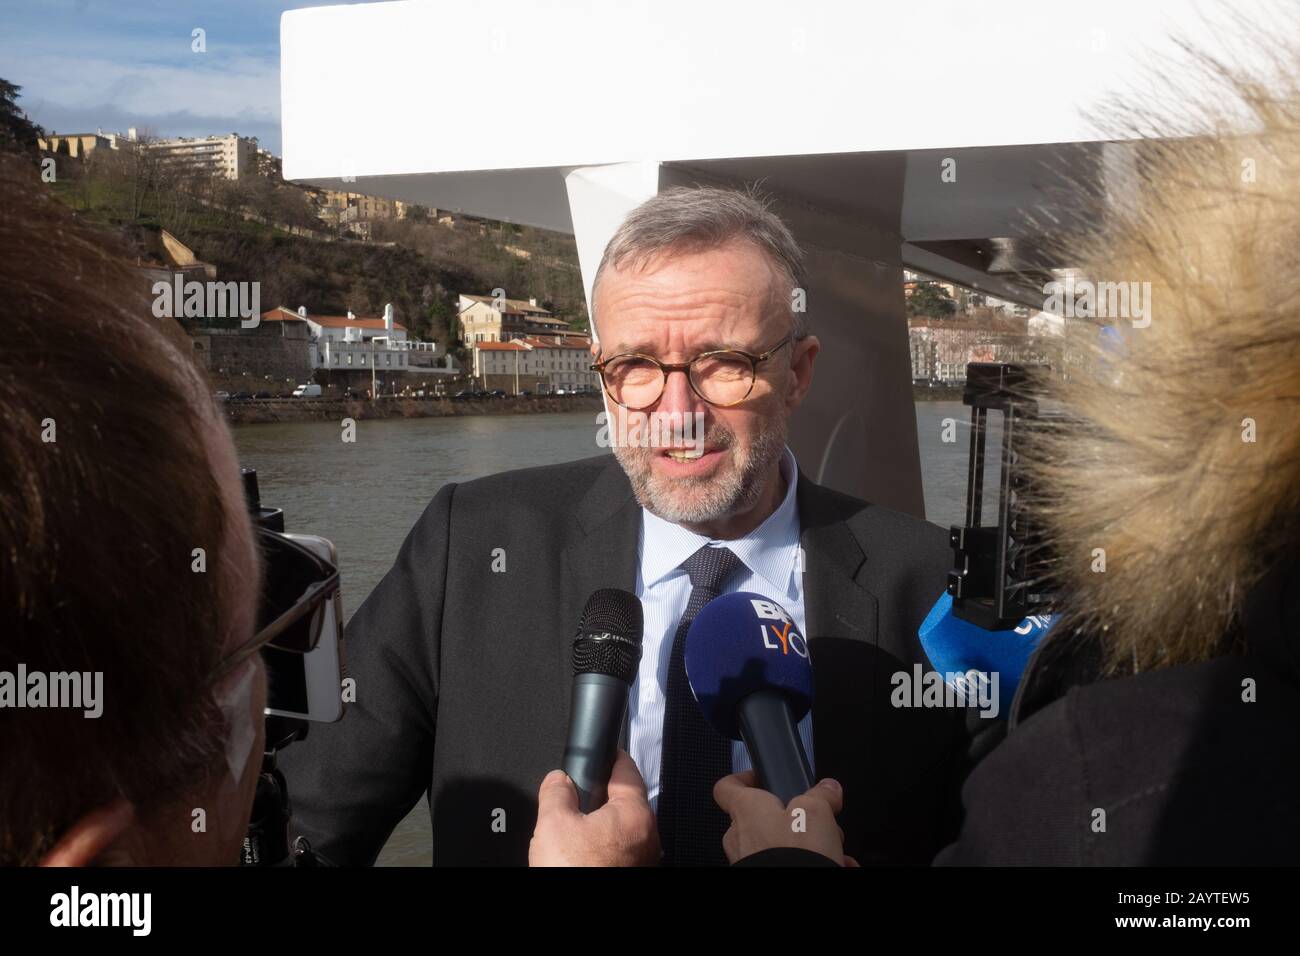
(366, 495)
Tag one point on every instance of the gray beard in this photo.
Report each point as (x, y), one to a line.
(701, 500)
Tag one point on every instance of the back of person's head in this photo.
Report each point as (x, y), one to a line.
(107, 487)
(1183, 476)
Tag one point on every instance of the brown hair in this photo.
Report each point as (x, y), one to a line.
(97, 528)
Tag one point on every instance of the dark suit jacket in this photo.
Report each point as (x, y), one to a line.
(1186, 769)
(463, 673)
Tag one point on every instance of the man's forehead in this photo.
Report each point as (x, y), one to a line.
(739, 263)
(715, 298)
(651, 331)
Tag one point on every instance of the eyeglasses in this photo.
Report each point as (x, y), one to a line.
(723, 377)
(297, 585)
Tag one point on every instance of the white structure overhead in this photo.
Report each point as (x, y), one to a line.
(565, 114)
(515, 84)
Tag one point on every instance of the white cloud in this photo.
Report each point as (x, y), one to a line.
(85, 65)
(236, 86)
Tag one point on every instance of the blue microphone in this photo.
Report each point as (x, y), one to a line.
(956, 647)
(749, 669)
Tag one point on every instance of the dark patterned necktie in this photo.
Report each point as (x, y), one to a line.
(695, 756)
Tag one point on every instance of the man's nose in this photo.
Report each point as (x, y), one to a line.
(678, 396)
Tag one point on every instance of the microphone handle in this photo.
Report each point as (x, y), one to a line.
(598, 706)
(771, 734)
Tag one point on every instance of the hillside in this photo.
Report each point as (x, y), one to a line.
(420, 267)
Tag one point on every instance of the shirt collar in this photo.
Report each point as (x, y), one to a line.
(771, 550)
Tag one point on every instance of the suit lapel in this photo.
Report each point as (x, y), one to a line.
(601, 553)
(841, 617)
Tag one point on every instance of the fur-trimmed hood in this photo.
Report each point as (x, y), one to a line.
(1184, 475)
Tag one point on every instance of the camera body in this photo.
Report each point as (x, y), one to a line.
(301, 687)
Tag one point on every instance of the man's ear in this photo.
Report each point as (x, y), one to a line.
(801, 368)
(91, 836)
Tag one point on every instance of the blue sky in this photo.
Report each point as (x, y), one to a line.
(85, 64)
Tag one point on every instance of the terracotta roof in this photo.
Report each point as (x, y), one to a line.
(281, 314)
(500, 346)
(566, 342)
(511, 305)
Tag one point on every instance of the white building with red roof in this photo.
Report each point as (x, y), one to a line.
(359, 343)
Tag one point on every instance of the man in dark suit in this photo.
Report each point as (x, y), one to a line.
(462, 654)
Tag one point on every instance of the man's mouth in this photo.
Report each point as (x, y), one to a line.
(685, 454)
(690, 462)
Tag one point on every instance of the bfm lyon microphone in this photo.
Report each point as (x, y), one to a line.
(749, 669)
(606, 653)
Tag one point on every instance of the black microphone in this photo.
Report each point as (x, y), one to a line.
(606, 653)
(750, 671)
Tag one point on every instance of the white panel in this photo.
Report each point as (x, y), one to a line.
(600, 197)
(412, 87)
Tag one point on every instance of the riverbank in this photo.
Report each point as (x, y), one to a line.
(321, 410)
(945, 393)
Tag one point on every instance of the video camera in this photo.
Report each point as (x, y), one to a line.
(300, 615)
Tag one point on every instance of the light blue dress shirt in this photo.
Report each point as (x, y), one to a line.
(771, 557)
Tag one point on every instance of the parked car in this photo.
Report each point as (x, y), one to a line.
(262, 395)
(221, 396)
(307, 391)
(241, 396)
(525, 394)
(497, 393)
(464, 395)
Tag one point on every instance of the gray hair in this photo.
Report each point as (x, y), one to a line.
(697, 219)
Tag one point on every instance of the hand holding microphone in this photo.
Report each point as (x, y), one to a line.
(621, 832)
(751, 673)
(759, 821)
(595, 811)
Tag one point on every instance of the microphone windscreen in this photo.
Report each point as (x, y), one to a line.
(609, 635)
(956, 646)
(740, 643)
